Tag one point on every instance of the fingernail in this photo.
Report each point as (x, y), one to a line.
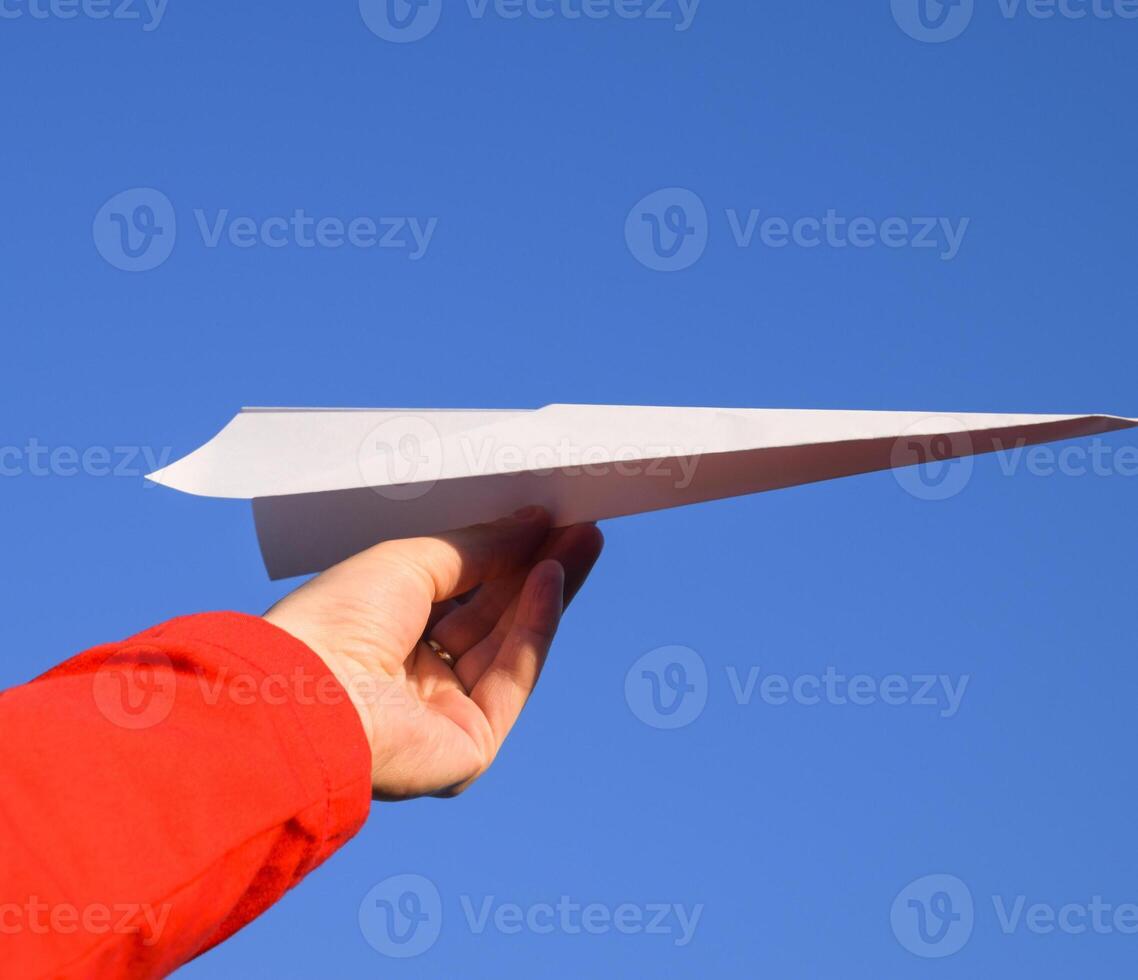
(527, 513)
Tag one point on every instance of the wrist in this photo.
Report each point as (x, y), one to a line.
(353, 679)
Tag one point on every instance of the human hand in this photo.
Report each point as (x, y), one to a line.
(435, 728)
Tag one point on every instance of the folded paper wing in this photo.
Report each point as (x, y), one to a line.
(326, 483)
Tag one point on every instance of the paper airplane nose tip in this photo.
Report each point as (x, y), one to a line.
(160, 477)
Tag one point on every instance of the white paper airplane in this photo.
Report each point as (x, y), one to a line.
(327, 483)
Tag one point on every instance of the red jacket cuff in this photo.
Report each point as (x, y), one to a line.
(285, 672)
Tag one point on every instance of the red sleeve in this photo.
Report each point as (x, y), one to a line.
(159, 793)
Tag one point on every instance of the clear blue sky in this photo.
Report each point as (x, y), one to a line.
(795, 826)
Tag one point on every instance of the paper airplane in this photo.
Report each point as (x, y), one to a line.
(327, 483)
